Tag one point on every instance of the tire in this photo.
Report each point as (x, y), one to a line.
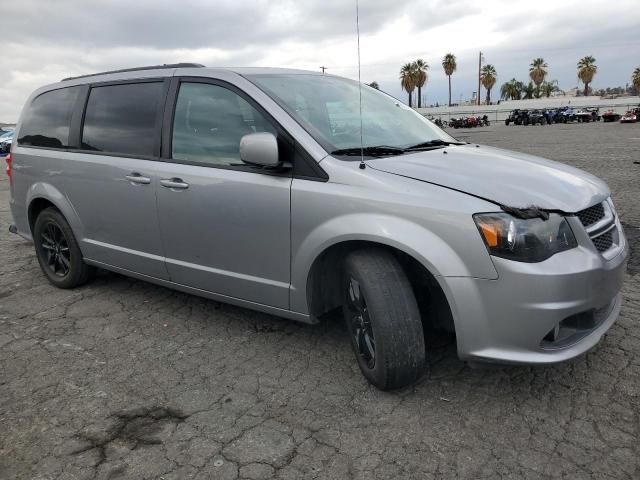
(383, 319)
(58, 252)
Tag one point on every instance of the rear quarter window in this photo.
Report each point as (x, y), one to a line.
(47, 119)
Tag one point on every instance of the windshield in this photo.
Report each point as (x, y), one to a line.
(328, 108)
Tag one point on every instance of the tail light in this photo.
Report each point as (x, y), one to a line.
(8, 160)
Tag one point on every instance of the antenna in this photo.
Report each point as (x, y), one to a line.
(362, 165)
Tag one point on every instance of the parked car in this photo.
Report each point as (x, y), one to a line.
(628, 117)
(5, 143)
(216, 182)
(610, 116)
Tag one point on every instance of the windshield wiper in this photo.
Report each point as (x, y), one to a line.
(377, 151)
(432, 144)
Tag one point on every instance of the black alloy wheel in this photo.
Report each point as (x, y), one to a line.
(360, 324)
(55, 248)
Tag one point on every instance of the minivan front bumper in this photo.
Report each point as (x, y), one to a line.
(538, 313)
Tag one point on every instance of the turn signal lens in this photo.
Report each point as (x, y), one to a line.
(490, 233)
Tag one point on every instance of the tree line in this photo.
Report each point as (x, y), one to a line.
(413, 75)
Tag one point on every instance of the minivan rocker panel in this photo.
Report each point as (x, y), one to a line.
(142, 172)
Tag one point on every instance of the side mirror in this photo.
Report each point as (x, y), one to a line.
(259, 149)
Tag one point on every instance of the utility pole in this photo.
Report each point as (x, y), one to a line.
(479, 69)
(323, 69)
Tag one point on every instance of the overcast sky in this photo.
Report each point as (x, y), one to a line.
(44, 41)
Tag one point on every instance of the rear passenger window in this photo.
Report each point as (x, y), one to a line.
(209, 122)
(46, 120)
(122, 118)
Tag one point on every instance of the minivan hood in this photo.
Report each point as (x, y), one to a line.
(504, 177)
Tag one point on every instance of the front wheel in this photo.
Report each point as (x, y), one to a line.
(383, 319)
(58, 252)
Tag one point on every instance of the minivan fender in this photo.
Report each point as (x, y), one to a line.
(411, 238)
(46, 191)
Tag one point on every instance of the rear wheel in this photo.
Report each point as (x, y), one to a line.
(58, 252)
(383, 319)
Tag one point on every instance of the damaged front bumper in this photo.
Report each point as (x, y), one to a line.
(539, 313)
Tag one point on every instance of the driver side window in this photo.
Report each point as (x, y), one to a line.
(209, 122)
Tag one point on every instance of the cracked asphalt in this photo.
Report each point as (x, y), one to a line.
(124, 379)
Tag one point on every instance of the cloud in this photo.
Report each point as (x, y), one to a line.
(46, 41)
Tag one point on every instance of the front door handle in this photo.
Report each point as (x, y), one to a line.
(174, 183)
(135, 177)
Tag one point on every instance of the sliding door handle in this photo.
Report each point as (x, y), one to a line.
(135, 177)
(174, 183)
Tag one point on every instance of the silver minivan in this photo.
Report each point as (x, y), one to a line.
(298, 193)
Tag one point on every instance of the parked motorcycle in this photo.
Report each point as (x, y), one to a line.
(483, 121)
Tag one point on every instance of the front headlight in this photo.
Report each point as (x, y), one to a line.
(530, 240)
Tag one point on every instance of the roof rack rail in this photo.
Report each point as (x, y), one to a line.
(150, 67)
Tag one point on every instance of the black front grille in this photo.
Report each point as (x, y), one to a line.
(604, 241)
(591, 215)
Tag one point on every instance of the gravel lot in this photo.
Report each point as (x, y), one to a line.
(123, 379)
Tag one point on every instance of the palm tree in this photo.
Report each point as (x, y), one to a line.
(420, 68)
(449, 65)
(511, 90)
(488, 77)
(635, 79)
(537, 71)
(547, 88)
(408, 79)
(586, 71)
(375, 85)
(529, 90)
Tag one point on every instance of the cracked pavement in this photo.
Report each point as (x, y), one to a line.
(124, 379)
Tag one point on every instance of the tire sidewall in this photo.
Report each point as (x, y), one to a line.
(394, 315)
(375, 374)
